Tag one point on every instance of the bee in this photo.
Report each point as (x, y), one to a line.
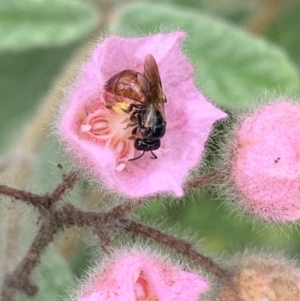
(148, 116)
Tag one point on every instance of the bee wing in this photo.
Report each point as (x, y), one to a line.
(129, 84)
(151, 112)
(155, 93)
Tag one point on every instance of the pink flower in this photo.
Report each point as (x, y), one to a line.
(142, 277)
(265, 166)
(97, 130)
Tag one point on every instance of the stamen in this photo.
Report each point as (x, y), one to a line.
(100, 126)
(142, 289)
(120, 167)
(85, 127)
(103, 123)
(121, 146)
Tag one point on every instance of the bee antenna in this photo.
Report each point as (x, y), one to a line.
(140, 156)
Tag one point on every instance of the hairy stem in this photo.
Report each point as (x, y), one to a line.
(18, 194)
(67, 183)
(19, 279)
(53, 221)
(180, 246)
(41, 201)
(124, 209)
(56, 218)
(203, 180)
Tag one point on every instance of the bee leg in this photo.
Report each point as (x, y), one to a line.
(133, 159)
(133, 134)
(154, 156)
(129, 109)
(134, 131)
(133, 118)
(133, 106)
(133, 122)
(129, 125)
(138, 107)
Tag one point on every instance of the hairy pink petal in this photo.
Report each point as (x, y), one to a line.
(266, 166)
(144, 278)
(189, 118)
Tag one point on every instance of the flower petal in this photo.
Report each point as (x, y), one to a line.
(143, 277)
(189, 117)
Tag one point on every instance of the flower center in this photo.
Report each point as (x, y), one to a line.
(142, 289)
(108, 126)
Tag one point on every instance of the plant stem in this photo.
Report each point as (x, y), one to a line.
(19, 279)
(56, 218)
(266, 15)
(38, 201)
(203, 180)
(180, 246)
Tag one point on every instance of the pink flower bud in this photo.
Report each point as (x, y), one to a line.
(263, 277)
(142, 277)
(264, 169)
(97, 124)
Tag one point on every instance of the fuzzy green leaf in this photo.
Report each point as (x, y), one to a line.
(285, 32)
(25, 77)
(31, 23)
(235, 67)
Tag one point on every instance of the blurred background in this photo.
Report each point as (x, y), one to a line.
(242, 49)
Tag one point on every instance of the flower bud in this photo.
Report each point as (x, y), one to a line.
(263, 277)
(141, 276)
(263, 162)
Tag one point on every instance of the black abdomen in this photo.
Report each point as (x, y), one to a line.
(157, 129)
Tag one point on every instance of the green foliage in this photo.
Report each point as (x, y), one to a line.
(25, 77)
(235, 67)
(196, 4)
(234, 10)
(30, 23)
(285, 32)
(53, 277)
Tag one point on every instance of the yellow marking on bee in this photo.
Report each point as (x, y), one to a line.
(120, 107)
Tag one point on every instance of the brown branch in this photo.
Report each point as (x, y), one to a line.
(67, 183)
(104, 239)
(52, 221)
(124, 209)
(203, 180)
(18, 194)
(55, 219)
(180, 246)
(68, 216)
(19, 279)
(71, 216)
(41, 201)
(266, 15)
